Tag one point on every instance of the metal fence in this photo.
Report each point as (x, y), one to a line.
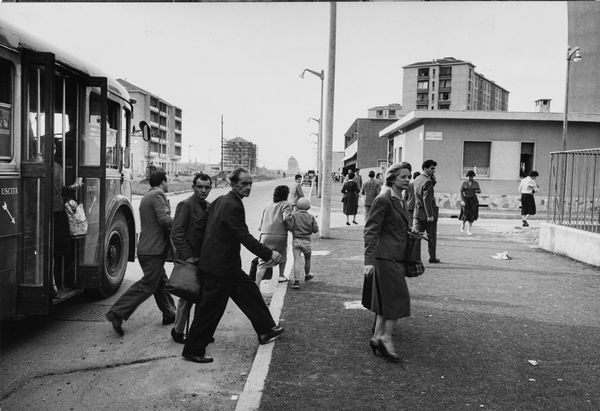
(574, 194)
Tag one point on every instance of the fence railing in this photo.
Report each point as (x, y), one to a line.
(574, 194)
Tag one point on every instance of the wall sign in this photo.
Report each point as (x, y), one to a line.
(9, 207)
(433, 135)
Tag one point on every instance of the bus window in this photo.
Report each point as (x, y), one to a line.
(5, 110)
(90, 145)
(35, 91)
(125, 137)
(112, 140)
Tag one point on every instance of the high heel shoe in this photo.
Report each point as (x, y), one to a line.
(390, 356)
(374, 346)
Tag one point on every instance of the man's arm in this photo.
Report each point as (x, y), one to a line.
(428, 199)
(237, 223)
(162, 211)
(178, 231)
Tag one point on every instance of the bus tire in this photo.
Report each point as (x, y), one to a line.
(116, 251)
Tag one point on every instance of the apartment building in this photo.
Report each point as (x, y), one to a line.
(293, 165)
(165, 145)
(450, 84)
(238, 152)
(391, 111)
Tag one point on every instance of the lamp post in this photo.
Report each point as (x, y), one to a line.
(321, 76)
(573, 53)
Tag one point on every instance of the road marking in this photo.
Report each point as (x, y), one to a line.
(250, 397)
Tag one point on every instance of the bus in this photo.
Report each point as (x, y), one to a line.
(60, 118)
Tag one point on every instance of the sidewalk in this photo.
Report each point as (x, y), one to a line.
(476, 322)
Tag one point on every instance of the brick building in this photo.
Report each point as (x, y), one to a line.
(238, 152)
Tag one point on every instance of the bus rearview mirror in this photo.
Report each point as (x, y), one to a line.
(146, 130)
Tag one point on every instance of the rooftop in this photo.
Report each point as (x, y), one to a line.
(444, 61)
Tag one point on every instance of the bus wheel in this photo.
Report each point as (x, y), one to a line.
(115, 255)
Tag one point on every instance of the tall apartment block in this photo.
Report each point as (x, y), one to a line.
(164, 147)
(238, 152)
(450, 84)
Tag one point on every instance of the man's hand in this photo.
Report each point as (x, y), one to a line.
(462, 203)
(430, 219)
(368, 270)
(276, 258)
(191, 260)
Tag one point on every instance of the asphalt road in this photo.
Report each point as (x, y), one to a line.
(73, 360)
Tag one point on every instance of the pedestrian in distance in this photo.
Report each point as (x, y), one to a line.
(153, 247)
(386, 237)
(187, 234)
(528, 187)
(409, 197)
(426, 210)
(350, 190)
(302, 224)
(297, 191)
(469, 204)
(358, 178)
(370, 190)
(226, 231)
(273, 231)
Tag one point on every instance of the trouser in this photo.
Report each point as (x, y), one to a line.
(301, 247)
(152, 283)
(430, 227)
(215, 293)
(183, 314)
(63, 248)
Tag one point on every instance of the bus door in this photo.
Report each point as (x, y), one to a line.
(35, 256)
(92, 168)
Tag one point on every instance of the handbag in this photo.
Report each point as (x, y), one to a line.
(412, 260)
(78, 224)
(184, 281)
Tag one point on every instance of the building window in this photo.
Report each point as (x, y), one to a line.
(423, 72)
(476, 157)
(445, 96)
(445, 84)
(433, 86)
(434, 72)
(470, 72)
(423, 85)
(392, 113)
(526, 163)
(445, 71)
(379, 113)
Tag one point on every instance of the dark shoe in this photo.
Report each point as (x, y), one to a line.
(116, 323)
(390, 356)
(347, 223)
(202, 359)
(374, 346)
(296, 285)
(309, 277)
(177, 337)
(434, 260)
(354, 222)
(282, 279)
(168, 319)
(525, 223)
(272, 335)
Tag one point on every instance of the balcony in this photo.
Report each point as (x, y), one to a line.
(445, 89)
(422, 101)
(178, 131)
(162, 127)
(423, 77)
(154, 139)
(177, 144)
(153, 124)
(444, 102)
(154, 109)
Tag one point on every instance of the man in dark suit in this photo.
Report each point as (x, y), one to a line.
(223, 277)
(426, 211)
(152, 249)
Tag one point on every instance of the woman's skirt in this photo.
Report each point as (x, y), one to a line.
(276, 242)
(350, 201)
(527, 204)
(390, 292)
(470, 211)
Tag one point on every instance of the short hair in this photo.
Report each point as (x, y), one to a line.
(470, 173)
(298, 176)
(303, 203)
(534, 174)
(428, 163)
(416, 174)
(351, 175)
(234, 176)
(280, 193)
(357, 170)
(393, 172)
(371, 174)
(378, 175)
(201, 176)
(157, 177)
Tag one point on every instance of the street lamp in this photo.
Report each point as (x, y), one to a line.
(321, 76)
(573, 53)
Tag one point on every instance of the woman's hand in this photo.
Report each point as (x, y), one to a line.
(462, 203)
(368, 270)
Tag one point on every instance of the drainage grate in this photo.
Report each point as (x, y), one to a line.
(84, 312)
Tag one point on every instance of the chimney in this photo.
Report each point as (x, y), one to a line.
(542, 105)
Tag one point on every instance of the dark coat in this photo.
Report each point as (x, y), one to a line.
(155, 217)
(189, 226)
(226, 230)
(386, 229)
(425, 205)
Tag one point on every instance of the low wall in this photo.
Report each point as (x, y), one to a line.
(578, 244)
(493, 201)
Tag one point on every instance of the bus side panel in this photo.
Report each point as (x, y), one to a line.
(9, 223)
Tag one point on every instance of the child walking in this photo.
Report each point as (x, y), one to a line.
(302, 225)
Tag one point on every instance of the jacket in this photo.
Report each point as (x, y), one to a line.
(425, 205)
(273, 218)
(302, 224)
(155, 217)
(226, 231)
(189, 226)
(386, 229)
(371, 189)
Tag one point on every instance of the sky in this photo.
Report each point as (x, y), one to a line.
(243, 60)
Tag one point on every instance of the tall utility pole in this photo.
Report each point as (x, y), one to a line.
(328, 137)
(222, 141)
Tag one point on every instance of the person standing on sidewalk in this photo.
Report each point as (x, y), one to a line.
(302, 225)
(409, 197)
(226, 231)
(426, 211)
(187, 234)
(386, 237)
(527, 188)
(469, 210)
(350, 190)
(297, 191)
(153, 247)
(370, 190)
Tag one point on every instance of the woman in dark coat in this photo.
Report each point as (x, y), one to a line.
(350, 190)
(469, 210)
(386, 236)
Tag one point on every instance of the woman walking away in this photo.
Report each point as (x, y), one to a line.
(350, 190)
(386, 236)
(469, 210)
(527, 188)
(273, 232)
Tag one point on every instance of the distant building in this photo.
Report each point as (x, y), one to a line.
(238, 152)
(164, 147)
(542, 105)
(391, 111)
(450, 84)
(293, 166)
(584, 32)
(363, 148)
